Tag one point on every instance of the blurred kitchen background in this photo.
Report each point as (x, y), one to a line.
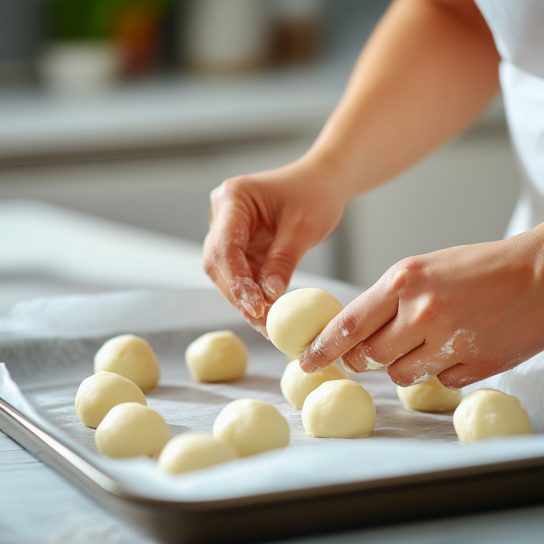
(133, 110)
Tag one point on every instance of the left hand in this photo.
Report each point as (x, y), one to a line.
(461, 314)
(263, 224)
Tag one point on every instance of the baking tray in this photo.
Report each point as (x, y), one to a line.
(310, 511)
(513, 476)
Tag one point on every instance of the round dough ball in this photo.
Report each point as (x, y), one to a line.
(131, 430)
(296, 385)
(339, 409)
(429, 396)
(214, 357)
(296, 318)
(487, 413)
(131, 357)
(192, 451)
(99, 393)
(251, 426)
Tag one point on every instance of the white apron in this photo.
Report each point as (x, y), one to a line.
(518, 30)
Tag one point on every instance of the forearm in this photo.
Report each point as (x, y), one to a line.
(427, 71)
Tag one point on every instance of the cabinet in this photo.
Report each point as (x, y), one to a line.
(462, 194)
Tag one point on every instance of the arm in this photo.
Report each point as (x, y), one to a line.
(427, 71)
(461, 314)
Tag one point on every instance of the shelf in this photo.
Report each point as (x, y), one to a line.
(180, 111)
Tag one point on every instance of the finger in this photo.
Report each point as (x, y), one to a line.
(225, 256)
(421, 364)
(366, 315)
(285, 252)
(258, 324)
(211, 270)
(461, 375)
(471, 371)
(384, 347)
(434, 358)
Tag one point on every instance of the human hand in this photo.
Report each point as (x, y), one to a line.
(461, 314)
(262, 225)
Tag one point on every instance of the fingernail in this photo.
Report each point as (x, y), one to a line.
(253, 306)
(249, 308)
(274, 285)
(308, 367)
(259, 310)
(348, 367)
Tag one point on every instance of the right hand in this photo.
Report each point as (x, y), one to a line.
(261, 226)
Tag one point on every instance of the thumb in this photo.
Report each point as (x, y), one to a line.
(284, 254)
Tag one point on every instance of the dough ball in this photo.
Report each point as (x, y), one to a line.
(487, 413)
(131, 357)
(430, 396)
(296, 318)
(251, 426)
(192, 451)
(339, 409)
(131, 430)
(296, 385)
(219, 356)
(99, 393)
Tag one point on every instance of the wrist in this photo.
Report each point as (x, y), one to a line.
(335, 166)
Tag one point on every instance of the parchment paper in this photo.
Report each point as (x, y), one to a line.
(48, 347)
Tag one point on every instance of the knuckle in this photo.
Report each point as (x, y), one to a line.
(451, 382)
(215, 194)
(285, 257)
(353, 360)
(208, 265)
(228, 189)
(404, 274)
(347, 323)
(398, 377)
(232, 186)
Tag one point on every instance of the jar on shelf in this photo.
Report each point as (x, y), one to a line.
(222, 36)
(298, 30)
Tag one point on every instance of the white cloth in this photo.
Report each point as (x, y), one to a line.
(518, 31)
(526, 382)
(524, 103)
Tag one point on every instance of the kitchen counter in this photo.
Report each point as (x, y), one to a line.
(184, 111)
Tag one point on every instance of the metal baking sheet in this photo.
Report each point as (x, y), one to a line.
(412, 467)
